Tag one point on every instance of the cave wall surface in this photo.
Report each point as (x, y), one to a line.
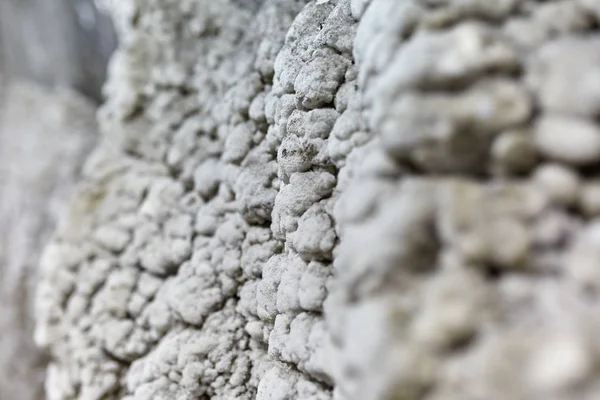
(335, 199)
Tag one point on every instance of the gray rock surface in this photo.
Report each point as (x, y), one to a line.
(470, 270)
(335, 199)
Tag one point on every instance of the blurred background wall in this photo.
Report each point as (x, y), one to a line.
(56, 42)
(53, 56)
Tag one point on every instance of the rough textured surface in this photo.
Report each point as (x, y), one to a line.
(196, 256)
(469, 270)
(344, 199)
(44, 138)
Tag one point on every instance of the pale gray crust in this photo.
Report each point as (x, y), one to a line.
(470, 257)
(197, 255)
(347, 199)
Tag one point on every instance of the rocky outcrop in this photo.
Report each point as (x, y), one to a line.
(345, 199)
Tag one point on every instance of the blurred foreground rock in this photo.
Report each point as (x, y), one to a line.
(43, 138)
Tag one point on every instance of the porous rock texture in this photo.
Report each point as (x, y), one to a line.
(347, 199)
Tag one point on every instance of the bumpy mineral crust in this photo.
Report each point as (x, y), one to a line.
(468, 258)
(197, 255)
(336, 199)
